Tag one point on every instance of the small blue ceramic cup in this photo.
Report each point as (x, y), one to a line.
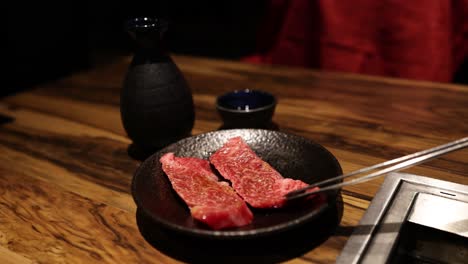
(246, 109)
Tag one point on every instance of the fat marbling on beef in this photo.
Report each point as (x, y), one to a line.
(258, 183)
(210, 201)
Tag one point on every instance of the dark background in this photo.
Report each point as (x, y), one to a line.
(46, 41)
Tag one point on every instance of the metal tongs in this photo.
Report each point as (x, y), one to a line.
(401, 163)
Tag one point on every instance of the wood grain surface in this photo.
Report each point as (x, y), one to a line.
(65, 173)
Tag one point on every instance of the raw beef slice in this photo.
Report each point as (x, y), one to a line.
(253, 179)
(210, 201)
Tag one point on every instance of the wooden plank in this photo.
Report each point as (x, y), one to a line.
(354, 147)
(9, 257)
(95, 159)
(79, 158)
(68, 225)
(54, 174)
(38, 167)
(50, 225)
(96, 115)
(25, 116)
(296, 261)
(353, 211)
(435, 111)
(65, 173)
(372, 138)
(214, 66)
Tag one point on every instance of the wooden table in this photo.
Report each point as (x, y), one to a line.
(65, 174)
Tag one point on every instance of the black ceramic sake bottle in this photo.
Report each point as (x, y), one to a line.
(156, 103)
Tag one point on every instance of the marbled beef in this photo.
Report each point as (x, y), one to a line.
(210, 201)
(258, 183)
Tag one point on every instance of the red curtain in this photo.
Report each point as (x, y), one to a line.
(419, 39)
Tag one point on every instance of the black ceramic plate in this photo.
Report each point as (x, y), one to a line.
(293, 156)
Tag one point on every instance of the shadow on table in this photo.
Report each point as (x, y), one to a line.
(5, 119)
(270, 249)
(138, 153)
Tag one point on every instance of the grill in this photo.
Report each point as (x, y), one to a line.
(412, 219)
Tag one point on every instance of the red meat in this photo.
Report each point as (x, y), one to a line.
(210, 201)
(253, 179)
